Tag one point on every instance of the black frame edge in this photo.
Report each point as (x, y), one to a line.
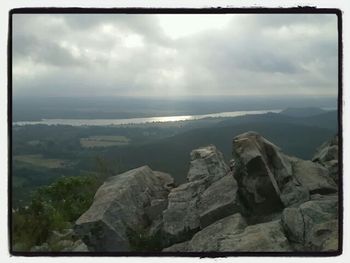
(207, 10)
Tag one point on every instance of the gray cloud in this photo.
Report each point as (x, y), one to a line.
(62, 55)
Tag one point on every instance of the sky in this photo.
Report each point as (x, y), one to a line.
(175, 55)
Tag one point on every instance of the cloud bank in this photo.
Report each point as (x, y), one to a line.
(174, 55)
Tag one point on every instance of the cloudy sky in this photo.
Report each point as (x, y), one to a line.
(174, 55)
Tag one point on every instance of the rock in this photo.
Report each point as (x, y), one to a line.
(179, 247)
(327, 151)
(67, 234)
(327, 155)
(156, 208)
(208, 239)
(79, 246)
(209, 194)
(207, 163)
(122, 203)
(218, 201)
(264, 237)
(265, 175)
(314, 176)
(231, 234)
(313, 225)
(181, 218)
(64, 245)
(265, 201)
(42, 248)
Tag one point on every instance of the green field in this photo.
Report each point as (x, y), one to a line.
(104, 141)
(39, 160)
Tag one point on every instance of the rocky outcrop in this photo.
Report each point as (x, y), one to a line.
(264, 237)
(313, 176)
(210, 238)
(266, 201)
(327, 155)
(233, 234)
(270, 180)
(313, 226)
(265, 175)
(64, 241)
(124, 203)
(209, 195)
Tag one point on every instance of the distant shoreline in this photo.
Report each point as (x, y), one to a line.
(162, 119)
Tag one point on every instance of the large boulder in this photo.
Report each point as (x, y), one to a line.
(264, 237)
(313, 226)
(313, 176)
(327, 155)
(209, 194)
(209, 239)
(124, 204)
(265, 175)
(231, 234)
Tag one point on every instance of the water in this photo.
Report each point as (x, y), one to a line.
(107, 122)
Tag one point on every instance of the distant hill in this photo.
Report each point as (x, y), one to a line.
(172, 154)
(302, 112)
(326, 120)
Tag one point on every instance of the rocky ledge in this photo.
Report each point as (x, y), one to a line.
(265, 201)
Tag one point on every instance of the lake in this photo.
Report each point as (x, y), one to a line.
(108, 122)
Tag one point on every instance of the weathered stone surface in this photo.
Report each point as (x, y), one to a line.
(313, 224)
(313, 176)
(209, 194)
(231, 234)
(178, 247)
(121, 204)
(181, 215)
(288, 204)
(207, 163)
(327, 151)
(209, 239)
(264, 237)
(327, 155)
(42, 248)
(265, 175)
(79, 246)
(218, 201)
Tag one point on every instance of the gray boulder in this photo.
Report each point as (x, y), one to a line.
(209, 194)
(79, 246)
(265, 175)
(218, 201)
(125, 203)
(178, 247)
(209, 239)
(264, 237)
(327, 155)
(313, 176)
(313, 226)
(231, 234)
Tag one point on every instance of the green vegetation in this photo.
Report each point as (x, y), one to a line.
(163, 146)
(52, 208)
(103, 141)
(142, 241)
